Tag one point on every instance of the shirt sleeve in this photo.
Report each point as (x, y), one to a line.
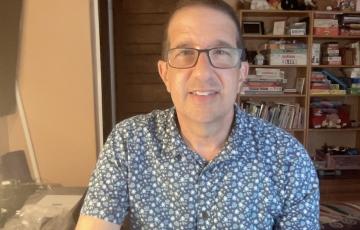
(107, 195)
(300, 191)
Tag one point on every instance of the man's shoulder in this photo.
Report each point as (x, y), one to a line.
(251, 123)
(263, 133)
(155, 120)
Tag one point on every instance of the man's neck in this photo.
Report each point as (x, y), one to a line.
(206, 139)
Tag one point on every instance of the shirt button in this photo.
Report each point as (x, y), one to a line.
(178, 157)
(205, 215)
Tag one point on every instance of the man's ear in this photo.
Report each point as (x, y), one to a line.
(162, 69)
(244, 71)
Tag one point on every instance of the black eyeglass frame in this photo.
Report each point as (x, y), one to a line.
(207, 51)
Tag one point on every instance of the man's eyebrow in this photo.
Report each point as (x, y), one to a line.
(183, 45)
(217, 43)
(222, 43)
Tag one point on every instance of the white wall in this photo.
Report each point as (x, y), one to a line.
(56, 82)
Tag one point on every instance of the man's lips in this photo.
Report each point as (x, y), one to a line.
(203, 92)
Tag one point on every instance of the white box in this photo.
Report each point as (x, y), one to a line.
(315, 56)
(287, 59)
(325, 23)
(297, 32)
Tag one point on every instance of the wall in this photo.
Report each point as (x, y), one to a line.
(56, 84)
(4, 140)
(138, 34)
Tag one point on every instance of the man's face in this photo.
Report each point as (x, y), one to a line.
(202, 94)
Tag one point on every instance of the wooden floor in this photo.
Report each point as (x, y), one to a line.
(345, 187)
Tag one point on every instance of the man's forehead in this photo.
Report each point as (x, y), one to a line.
(192, 25)
(215, 43)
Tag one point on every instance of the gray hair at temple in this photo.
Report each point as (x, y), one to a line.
(219, 5)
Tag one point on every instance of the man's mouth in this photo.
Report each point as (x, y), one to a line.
(203, 93)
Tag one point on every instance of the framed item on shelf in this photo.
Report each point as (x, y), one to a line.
(279, 28)
(253, 27)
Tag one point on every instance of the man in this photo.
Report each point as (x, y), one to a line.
(203, 164)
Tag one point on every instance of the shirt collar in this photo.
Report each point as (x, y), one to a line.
(235, 146)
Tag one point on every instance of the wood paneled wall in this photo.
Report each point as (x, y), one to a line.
(138, 34)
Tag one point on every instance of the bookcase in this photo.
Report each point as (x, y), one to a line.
(260, 33)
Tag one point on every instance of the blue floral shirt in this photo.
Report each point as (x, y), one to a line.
(262, 179)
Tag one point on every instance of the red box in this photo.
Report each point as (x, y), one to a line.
(326, 31)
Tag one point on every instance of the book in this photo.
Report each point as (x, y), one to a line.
(335, 79)
(300, 82)
(269, 72)
(283, 115)
(356, 46)
(315, 56)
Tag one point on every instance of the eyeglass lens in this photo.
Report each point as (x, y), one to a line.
(219, 57)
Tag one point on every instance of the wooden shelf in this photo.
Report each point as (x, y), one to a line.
(334, 95)
(340, 188)
(335, 66)
(271, 95)
(277, 66)
(275, 13)
(270, 36)
(335, 12)
(338, 37)
(295, 130)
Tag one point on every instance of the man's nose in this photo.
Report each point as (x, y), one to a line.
(203, 65)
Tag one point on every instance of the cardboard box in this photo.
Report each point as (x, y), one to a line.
(325, 23)
(326, 31)
(343, 162)
(326, 27)
(297, 32)
(330, 52)
(288, 59)
(331, 60)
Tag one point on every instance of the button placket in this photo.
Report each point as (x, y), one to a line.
(202, 190)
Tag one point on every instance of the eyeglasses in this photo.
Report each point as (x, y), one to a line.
(220, 57)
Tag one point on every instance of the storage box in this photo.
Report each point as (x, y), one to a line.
(325, 23)
(326, 27)
(331, 60)
(343, 162)
(326, 31)
(315, 57)
(330, 52)
(288, 57)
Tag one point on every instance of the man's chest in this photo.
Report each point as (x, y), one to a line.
(178, 194)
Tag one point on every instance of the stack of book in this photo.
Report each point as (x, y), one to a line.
(325, 82)
(286, 116)
(319, 84)
(350, 24)
(281, 52)
(265, 81)
(330, 53)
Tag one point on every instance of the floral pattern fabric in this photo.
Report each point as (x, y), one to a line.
(262, 179)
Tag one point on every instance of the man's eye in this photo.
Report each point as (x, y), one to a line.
(220, 52)
(186, 52)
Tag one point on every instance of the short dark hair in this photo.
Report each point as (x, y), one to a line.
(219, 5)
